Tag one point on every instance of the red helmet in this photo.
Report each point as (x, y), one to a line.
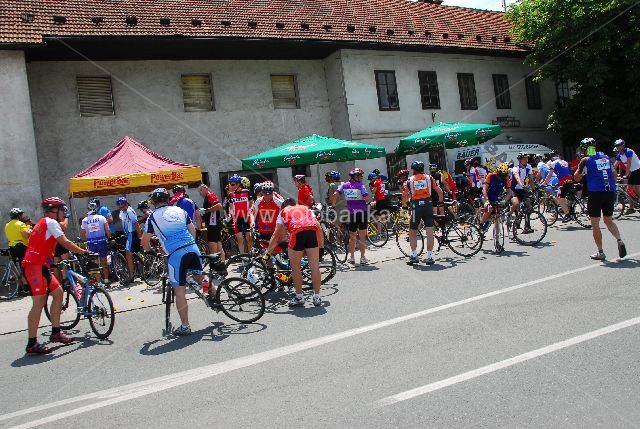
(51, 202)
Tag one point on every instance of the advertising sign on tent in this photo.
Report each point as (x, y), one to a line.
(491, 154)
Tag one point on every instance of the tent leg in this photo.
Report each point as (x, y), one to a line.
(318, 174)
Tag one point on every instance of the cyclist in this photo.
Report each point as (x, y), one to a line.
(131, 228)
(239, 204)
(305, 237)
(521, 175)
(104, 211)
(494, 185)
(95, 231)
(357, 197)
(418, 189)
(257, 191)
(46, 233)
(266, 210)
(601, 181)
(561, 169)
(211, 213)
(477, 176)
(438, 204)
(182, 200)
(177, 234)
(630, 160)
(144, 208)
(378, 188)
(337, 211)
(17, 232)
(305, 193)
(401, 178)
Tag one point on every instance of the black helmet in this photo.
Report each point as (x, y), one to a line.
(178, 188)
(159, 194)
(142, 205)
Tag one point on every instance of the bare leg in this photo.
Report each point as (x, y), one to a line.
(362, 237)
(597, 234)
(33, 319)
(352, 243)
(296, 269)
(181, 304)
(611, 226)
(313, 255)
(413, 241)
(429, 231)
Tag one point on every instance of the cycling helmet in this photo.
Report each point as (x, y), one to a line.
(433, 167)
(257, 187)
(15, 213)
(523, 155)
(376, 172)
(159, 194)
(267, 187)
(246, 183)
(510, 165)
(402, 173)
(619, 142)
(417, 165)
(335, 175)
(468, 162)
(372, 176)
(503, 169)
(92, 206)
(235, 179)
(299, 178)
(586, 142)
(52, 202)
(356, 172)
(178, 188)
(554, 155)
(288, 202)
(143, 205)
(95, 200)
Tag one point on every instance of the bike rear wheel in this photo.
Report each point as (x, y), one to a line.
(377, 233)
(402, 241)
(154, 269)
(327, 269)
(550, 211)
(529, 228)
(240, 300)
(464, 239)
(119, 264)
(619, 205)
(338, 242)
(102, 313)
(498, 235)
(581, 214)
(9, 282)
(69, 316)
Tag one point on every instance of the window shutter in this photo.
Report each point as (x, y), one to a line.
(284, 92)
(196, 93)
(95, 96)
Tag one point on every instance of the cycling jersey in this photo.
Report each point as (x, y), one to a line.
(187, 205)
(497, 185)
(523, 172)
(354, 193)
(297, 218)
(42, 242)
(129, 219)
(13, 231)
(266, 214)
(211, 218)
(629, 154)
(562, 170)
(304, 192)
(419, 186)
(93, 226)
(477, 175)
(240, 204)
(544, 172)
(378, 187)
(170, 223)
(600, 174)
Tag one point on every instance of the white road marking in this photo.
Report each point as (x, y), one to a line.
(409, 394)
(146, 387)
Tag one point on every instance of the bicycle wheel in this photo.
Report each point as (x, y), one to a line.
(498, 235)
(230, 246)
(69, 316)
(465, 211)
(154, 269)
(340, 241)
(377, 233)
(119, 264)
(327, 269)
(402, 241)
(167, 299)
(253, 270)
(550, 211)
(619, 205)
(102, 314)
(529, 228)
(9, 282)
(464, 239)
(240, 300)
(138, 266)
(203, 246)
(581, 214)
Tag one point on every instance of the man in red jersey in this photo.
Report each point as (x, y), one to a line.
(305, 193)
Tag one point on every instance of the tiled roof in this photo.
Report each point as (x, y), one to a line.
(379, 21)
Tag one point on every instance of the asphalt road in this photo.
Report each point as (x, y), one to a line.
(537, 337)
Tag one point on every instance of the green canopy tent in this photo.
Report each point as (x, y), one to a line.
(447, 135)
(313, 149)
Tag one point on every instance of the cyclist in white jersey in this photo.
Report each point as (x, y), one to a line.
(631, 161)
(95, 231)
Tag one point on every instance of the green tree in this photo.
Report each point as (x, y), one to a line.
(595, 46)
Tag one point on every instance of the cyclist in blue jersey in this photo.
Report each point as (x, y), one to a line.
(182, 200)
(176, 233)
(601, 180)
(561, 169)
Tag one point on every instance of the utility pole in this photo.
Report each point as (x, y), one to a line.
(504, 5)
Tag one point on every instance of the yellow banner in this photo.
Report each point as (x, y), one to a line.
(131, 183)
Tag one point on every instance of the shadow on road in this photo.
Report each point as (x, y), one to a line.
(79, 344)
(622, 264)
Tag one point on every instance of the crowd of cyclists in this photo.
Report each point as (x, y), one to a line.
(174, 220)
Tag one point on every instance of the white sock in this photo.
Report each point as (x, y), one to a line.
(429, 255)
(316, 294)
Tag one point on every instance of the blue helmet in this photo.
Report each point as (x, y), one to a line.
(335, 175)
(417, 165)
(372, 176)
(121, 200)
(235, 179)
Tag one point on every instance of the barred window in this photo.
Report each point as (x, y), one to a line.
(429, 94)
(467, 88)
(197, 94)
(387, 90)
(501, 89)
(95, 96)
(533, 93)
(284, 88)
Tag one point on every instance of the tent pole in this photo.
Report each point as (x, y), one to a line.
(318, 174)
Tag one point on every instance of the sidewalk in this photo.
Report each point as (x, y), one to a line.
(13, 313)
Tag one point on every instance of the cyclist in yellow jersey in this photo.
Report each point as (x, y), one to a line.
(17, 233)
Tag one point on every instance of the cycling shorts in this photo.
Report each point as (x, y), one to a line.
(520, 194)
(214, 233)
(60, 250)
(601, 202)
(358, 221)
(305, 239)
(99, 247)
(381, 208)
(422, 211)
(241, 225)
(40, 279)
(18, 251)
(182, 260)
(634, 177)
(133, 242)
(564, 189)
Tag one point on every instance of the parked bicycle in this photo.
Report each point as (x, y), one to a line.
(10, 278)
(624, 196)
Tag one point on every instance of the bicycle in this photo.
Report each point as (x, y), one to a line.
(529, 226)
(119, 267)
(462, 237)
(578, 207)
(377, 233)
(239, 299)
(623, 196)
(84, 297)
(10, 278)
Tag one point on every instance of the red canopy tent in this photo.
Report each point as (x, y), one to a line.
(129, 168)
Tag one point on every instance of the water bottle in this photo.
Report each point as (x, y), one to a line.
(205, 285)
(252, 275)
(282, 277)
